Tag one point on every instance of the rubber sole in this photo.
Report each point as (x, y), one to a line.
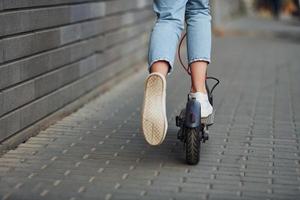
(209, 120)
(154, 119)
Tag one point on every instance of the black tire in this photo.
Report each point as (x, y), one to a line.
(192, 146)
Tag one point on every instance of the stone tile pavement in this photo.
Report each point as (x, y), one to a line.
(98, 152)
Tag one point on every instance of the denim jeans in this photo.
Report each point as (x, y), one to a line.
(165, 35)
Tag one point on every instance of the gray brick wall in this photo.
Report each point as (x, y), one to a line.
(54, 51)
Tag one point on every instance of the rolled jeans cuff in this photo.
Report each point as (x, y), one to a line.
(199, 59)
(171, 65)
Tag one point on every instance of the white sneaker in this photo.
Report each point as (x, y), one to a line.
(206, 107)
(154, 119)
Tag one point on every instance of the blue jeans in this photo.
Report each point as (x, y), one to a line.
(165, 35)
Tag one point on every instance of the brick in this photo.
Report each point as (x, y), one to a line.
(17, 47)
(97, 9)
(1, 103)
(91, 28)
(98, 44)
(9, 124)
(115, 6)
(88, 65)
(70, 33)
(9, 74)
(51, 81)
(45, 40)
(17, 96)
(1, 50)
(38, 109)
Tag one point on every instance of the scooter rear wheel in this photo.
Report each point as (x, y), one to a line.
(192, 146)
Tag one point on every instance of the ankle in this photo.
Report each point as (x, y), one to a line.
(202, 90)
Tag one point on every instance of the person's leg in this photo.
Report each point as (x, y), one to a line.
(165, 35)
(198, 73)
(160, 66)
(162, 47)
(198, 21)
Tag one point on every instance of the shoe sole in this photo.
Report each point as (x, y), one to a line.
(209, 120)
(154, 120)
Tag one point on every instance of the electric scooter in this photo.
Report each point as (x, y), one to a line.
(194, 128)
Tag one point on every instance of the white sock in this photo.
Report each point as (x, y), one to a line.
(206, 107)
(199, 96)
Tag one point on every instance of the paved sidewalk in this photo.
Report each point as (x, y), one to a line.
(99, 152)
